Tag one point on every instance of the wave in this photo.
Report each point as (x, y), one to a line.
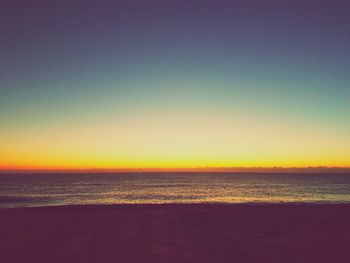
(23, 199)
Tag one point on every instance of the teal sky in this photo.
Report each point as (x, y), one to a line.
(74, 63)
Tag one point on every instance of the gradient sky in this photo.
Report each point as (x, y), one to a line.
(140, 84)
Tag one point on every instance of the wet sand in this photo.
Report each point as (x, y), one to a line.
(176, 233)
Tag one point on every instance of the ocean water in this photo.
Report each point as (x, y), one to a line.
(23, 190)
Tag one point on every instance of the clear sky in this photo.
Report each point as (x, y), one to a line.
(160, 83)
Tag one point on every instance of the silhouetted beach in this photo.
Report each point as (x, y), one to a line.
(176, 233)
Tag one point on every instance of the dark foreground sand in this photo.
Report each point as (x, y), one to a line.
(176, 233)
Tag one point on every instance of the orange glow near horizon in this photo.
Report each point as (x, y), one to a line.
(171, 142)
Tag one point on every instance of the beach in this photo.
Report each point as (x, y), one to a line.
(176, 233)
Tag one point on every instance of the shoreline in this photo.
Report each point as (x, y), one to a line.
(173, 204)
(167, 205)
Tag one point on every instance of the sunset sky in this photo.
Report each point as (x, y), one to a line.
(174, 84)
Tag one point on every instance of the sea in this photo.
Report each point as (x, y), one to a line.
(53, 189)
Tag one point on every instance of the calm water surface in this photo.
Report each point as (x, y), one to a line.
(19, 190)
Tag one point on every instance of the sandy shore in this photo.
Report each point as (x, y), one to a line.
(176, 233)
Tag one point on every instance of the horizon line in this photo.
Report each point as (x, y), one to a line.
(256, 169)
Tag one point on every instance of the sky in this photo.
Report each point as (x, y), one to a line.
(174, 84)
